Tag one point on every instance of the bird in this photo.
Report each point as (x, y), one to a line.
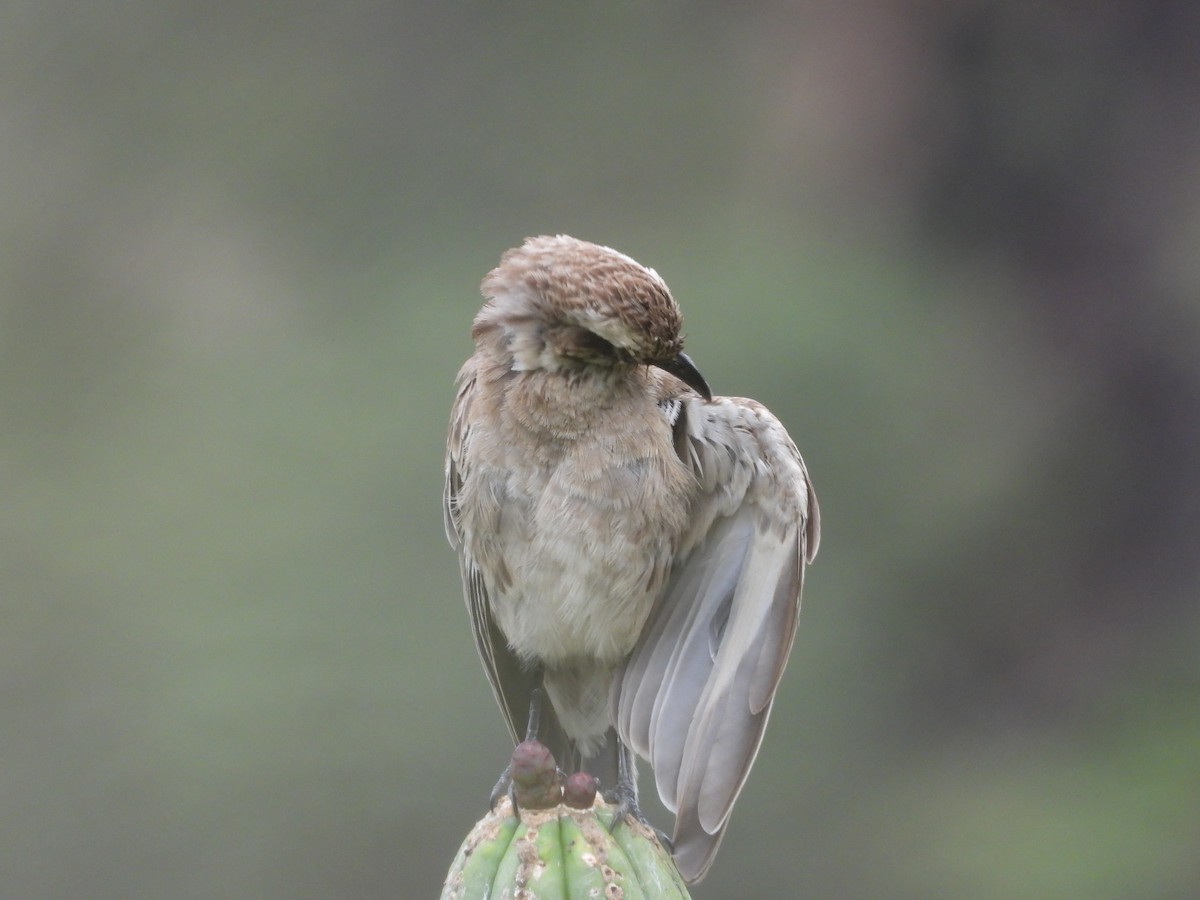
(632, 547)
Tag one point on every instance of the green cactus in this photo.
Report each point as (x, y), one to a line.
(561, 853)
(562, 850)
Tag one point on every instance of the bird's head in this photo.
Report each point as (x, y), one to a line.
(565, 303)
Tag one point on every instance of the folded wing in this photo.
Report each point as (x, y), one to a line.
(696, 694)
(512, 683)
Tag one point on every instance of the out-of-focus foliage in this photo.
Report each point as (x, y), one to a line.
(953, 246)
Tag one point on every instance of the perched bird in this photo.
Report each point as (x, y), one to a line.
(629, 544)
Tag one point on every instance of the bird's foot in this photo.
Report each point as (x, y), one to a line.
(624, 799)
(503, 788)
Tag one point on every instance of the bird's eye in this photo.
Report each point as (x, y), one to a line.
(587, 346)
(596, 345)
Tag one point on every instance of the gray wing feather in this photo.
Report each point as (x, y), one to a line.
(510, 683)
(696, 694)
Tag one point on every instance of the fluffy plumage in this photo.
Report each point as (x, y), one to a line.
(634, 542)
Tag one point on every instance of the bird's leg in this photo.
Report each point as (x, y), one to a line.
(504, 786)
(535, 714)
(625, 795)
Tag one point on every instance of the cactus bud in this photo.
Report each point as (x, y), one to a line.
(579, 792)
(535, 779)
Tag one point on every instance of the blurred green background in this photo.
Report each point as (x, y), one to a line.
(953, 246)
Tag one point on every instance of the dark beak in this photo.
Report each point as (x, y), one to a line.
(685, 370)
